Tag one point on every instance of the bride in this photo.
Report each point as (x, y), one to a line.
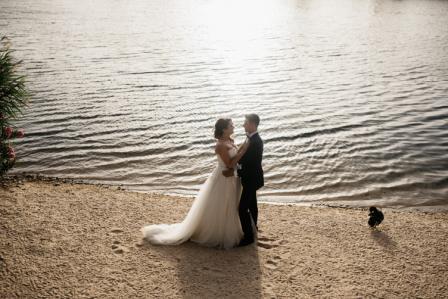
(213, 218)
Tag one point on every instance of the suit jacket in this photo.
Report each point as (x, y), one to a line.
(250, 170)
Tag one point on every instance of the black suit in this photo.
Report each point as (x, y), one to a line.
(252, 179)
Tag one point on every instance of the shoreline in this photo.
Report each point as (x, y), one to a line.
(22, 177)
(62, 239)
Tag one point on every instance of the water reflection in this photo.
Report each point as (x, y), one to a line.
(351, 93)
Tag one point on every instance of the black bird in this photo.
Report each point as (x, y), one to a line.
(376, 216)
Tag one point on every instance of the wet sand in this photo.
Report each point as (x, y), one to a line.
(66, 240)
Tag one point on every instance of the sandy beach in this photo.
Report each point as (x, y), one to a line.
(67, 240)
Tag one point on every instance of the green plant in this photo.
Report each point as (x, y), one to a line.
(13, 97)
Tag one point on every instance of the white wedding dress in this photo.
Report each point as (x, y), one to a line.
(213, 218)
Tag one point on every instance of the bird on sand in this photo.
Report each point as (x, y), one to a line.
(376, 217)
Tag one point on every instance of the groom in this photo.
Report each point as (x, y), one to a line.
(251, 173)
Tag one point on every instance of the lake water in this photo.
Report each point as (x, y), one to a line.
(352, 94)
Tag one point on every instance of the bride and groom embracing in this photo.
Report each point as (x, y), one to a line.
(224, 213)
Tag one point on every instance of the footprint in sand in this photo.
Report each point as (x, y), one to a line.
(282, 242)
(118, 249)
(265, 239)
(267, 243)
(272, 263)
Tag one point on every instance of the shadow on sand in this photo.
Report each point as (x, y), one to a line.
(383, 239)
(212, 273)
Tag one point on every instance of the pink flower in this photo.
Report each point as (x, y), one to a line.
(8, 132)
(11, 153)
(20, 133)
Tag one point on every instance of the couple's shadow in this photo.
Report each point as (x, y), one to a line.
(212, 273)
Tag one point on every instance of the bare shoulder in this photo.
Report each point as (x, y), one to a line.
(220, 146)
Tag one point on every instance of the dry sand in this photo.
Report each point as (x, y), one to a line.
(63, 240)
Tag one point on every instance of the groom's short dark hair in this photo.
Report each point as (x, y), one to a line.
(253, 118)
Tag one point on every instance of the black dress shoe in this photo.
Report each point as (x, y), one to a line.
(245, 242)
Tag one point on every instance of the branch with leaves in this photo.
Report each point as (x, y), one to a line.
(13, 97)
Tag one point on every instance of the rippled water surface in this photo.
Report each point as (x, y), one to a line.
(352, 94)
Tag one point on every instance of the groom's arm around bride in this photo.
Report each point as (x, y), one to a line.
(241, 150)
